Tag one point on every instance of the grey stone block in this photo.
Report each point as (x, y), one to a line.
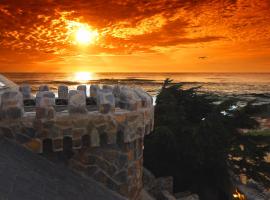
(76, 102)
(25, 89)
(107, 88)
(95, 139)
(105, 101)
(46, 102)
(128, 99)
(146, 99)
(63, 92)
(82, 88)
(45, 112)
(94, 89)
(43, 88)
(45, 98)
(12, 105)
(14, 113)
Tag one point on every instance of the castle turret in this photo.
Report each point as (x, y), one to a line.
(105, 136)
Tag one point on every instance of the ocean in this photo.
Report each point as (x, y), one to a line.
(217, 83)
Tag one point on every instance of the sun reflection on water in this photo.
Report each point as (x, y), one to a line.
(83, 77)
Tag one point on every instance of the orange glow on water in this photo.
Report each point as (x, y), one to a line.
(83, 76)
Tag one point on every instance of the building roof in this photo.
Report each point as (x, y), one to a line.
(28, 176)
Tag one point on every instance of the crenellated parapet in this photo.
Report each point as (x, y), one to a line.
(106, 129)
(117, 108)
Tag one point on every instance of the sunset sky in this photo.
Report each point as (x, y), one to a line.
(135, 35)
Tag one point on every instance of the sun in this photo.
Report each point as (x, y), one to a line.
(82, 33)
(86, 36)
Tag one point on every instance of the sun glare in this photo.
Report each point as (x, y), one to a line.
(83, 34)
(83, 76)
(86, 36)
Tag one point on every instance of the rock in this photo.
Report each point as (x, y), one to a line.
(165, 183)
(146, 195)
(45, 112)
(255, 185)
(105, 101)
(82, 88)
(43, 88)
(94, 89)
(116, 93)
(116, 90)
(14, 112)
(95, 140)
(45, 95)
(63, 92)
(78, 132)
(121, 176)
(148, 179)
(165, 195)
(128, 99)
(11, 98)
(189, 197)
(146, 99)
(12, 105)
(46, 102)
(251, 189)
(76, 102)
(73, 92)
(252, 193)
(25, 89)
(157, 187)
(107, 88)
(111, 132)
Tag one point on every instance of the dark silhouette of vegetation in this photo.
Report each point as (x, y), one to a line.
(193, 139)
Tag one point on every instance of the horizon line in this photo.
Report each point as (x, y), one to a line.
(242, 72)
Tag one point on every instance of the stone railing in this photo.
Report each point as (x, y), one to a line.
(106, 129)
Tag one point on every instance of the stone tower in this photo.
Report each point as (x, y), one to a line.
(102, 134)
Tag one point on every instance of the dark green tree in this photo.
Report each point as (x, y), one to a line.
(192, 140)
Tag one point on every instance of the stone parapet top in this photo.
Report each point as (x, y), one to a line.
(106, 97)
(123, 115)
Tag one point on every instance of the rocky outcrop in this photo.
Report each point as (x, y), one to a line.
(162, 188)
(186, 196)
(253, 190)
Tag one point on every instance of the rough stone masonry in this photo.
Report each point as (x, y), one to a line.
(105, 136)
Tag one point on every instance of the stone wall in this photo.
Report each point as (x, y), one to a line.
(106, 129)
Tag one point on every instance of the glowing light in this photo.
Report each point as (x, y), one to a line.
(83, 34)
(238, 196)
(83, 76)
